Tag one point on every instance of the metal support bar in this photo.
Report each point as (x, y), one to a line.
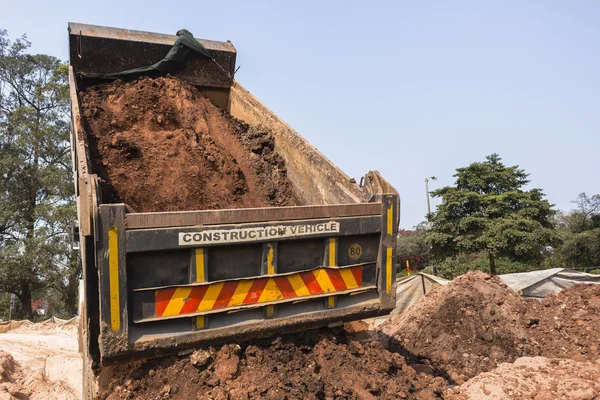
(330, 259)
(387, 257)
(198, 273)
(269, 267)
(113, 275)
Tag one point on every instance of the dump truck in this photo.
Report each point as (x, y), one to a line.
(158, 283)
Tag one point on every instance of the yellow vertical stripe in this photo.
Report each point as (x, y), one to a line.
(332, 252)
(200, 277)
(270, 267)
(241, 291)
(323, 280)
(113, 278)
(200, 265)
(177, 301)
(298, 285)
(390, 220)
(331, 301)
(270, 311)
(209, 299)
(388, 270)
(270, 292)
(388, 256)
(348, 278)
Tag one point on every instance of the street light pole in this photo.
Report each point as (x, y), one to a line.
(433, 178)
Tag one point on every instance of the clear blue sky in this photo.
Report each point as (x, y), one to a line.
(412, 89)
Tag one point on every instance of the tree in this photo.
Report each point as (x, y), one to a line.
(580, 230)
(587, 214)
(36, 189)
(412, 246)
(488, 211)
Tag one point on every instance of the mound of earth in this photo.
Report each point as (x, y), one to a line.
(7, 367)
(18, 383)
(466, 327)
(160, 145)
(568, 323)
(536, 378)
(309, 365)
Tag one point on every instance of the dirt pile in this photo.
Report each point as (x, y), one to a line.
(465, 327)
(568, 323)
(160, 145)
(536, 378)
(311, 365)
(7, 367)
(18, 383)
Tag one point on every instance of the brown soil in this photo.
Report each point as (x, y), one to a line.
(465, 327)
(535, 378)
(7, 367)
(475, 323)
(160, 145)
(18, 383)
(310, 365)
(568, 323)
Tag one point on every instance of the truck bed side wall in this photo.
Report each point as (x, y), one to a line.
(315, 178)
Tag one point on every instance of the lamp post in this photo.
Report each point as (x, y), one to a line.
(433, 178)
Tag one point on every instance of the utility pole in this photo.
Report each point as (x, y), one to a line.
(433, 178)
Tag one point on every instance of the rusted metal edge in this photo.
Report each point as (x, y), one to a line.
(81, 161)
(257, 305)
(76, 28)
(84, 164)
(242, 215)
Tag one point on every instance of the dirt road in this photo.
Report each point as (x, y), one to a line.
(49, 364)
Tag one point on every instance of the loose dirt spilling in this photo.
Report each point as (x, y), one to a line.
(160, 145)
(465, 327)
(535, 378)
(473, 328)
(311, 365)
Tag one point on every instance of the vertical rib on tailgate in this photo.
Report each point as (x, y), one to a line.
(170, 280)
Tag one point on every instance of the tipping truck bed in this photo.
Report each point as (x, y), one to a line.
(158, 283)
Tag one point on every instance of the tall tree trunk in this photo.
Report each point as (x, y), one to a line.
(30, 222)
(492, 264)
(26, 300)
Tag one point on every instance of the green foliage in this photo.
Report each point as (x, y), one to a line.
(488, 211)
(580, 232)
(413, 247)
(452, 267)
(36, 189)
(4, 306)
